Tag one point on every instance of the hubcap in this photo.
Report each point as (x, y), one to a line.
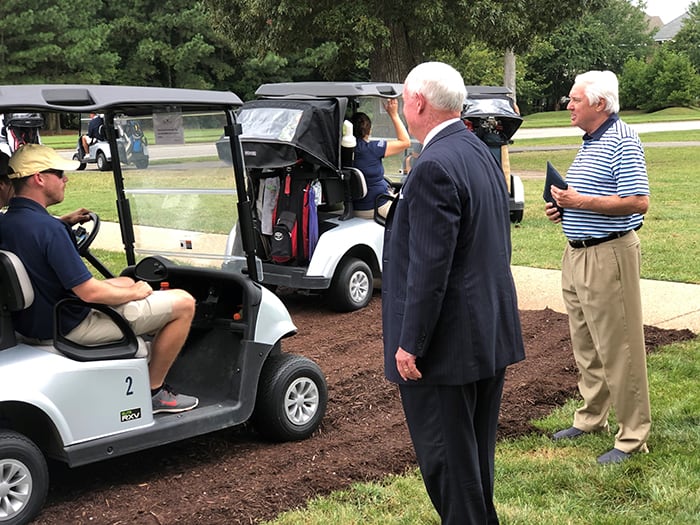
(359, 286)
(301, 401)
(15, 487)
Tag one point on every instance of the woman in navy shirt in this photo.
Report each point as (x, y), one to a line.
(369, 155)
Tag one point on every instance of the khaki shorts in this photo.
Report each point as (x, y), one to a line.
(145, 317)
(369, 214)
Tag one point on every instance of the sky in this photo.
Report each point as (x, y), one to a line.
(667, 10)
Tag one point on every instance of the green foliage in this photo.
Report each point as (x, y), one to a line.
(667, 80)
(478, 65)
(42, 40)
(687, 40)
(167, 43)
(387, 37)
(602, 39)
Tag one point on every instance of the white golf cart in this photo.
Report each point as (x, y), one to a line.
(80, 405)
(292, 141)
(131, 141)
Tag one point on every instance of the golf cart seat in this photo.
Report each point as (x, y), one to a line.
(355, 189)
(17, 293)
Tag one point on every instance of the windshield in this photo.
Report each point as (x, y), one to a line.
(270, 123)
(180, 184)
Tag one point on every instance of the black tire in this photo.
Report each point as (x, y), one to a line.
(516, 217)
(352, 286)
(82, 164)
(142, 164)
(292, 398)
(102, 163)
(24, 479)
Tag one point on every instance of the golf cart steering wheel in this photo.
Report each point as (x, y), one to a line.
(83, 237)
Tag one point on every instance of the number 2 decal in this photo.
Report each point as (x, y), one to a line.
(129, 384)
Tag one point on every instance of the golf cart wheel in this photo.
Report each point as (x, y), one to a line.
(82, 164)
(292, 398)
(352, 286)
(24, 479)
(516, 217)
(102, 163)
(142, 164)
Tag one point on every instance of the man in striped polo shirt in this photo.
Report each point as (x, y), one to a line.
(607, 195)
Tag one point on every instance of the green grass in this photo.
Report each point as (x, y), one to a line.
(670, 236)
(553, 119)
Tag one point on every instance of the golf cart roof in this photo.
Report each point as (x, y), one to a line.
(330, 89)
(128, 99)
(492, 102)
(487, 91)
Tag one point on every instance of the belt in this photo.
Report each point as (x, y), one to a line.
(586, 243)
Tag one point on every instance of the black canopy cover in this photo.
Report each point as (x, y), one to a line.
(277, 132)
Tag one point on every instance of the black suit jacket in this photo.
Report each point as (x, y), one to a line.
(448, 295)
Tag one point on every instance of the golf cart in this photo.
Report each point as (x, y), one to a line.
(304, 184)
(489, 112)
(131, 141)
(80, 405)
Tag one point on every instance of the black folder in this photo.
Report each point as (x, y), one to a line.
(553, 179)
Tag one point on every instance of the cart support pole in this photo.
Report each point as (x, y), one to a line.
(245, 215)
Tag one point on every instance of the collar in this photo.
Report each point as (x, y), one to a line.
(23, 202)
(437, 129)
(602, 128)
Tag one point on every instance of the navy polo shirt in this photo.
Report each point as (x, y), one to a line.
(46, 248)
(368, 159)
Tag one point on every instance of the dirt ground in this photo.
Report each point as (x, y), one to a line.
(231, 477)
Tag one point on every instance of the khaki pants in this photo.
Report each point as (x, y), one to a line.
(601, 290)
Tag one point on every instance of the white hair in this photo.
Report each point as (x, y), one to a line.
(440, 84)
(600, 85)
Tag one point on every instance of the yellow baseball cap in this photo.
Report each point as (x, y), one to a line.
(34, 158)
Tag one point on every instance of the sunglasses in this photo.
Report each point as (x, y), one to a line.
(58, 173)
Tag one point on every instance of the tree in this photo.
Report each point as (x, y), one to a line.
(386, 37)
(667, 80)
(604, 39)
(53, 41)
(687, 40)
(167, 43)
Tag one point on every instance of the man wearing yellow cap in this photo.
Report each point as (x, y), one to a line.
(45, 246)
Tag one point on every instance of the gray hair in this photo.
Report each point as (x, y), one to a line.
(440, 84)
(600, 84)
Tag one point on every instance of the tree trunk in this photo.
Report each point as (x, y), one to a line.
(52, 123)
(394, 58)
(509, 72)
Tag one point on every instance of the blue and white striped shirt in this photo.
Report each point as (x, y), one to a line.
(609, 162)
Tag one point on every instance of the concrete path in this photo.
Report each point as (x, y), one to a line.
(665, 304)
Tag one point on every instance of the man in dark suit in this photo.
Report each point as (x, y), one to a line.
(449, 306)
